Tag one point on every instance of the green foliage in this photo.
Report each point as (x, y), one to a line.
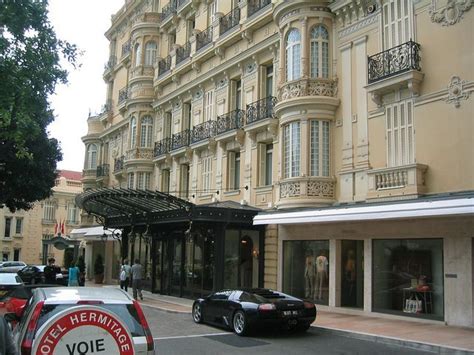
(98, 265)
(81, 264)
(30, 69)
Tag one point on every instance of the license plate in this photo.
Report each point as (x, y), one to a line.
(290, 313)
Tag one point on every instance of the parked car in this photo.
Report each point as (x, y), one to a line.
(62, 278)
(8, 282)
(245, 310)
(32, 274)
(47, 303)
(12, 263)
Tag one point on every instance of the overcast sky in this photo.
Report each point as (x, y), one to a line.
(83, 23)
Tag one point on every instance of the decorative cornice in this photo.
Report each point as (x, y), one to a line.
(452, 13)
(366, 21)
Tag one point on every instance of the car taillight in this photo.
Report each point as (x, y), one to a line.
(265, 307)
(27, 342)
(308, 305)
(144, 323)
(90, 302)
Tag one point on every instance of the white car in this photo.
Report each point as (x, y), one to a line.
(49, 307)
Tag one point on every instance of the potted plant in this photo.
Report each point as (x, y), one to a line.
(99, 269)
(82, 270)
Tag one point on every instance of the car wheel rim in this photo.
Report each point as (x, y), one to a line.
(197, 313)
(239, 323)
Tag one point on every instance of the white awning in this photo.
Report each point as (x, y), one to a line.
(91, 233)
(432, 208)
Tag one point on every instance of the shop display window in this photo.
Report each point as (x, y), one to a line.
(408, 277)
(306, 269)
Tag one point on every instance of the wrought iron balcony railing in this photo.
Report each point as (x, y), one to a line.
(118, 164)
(230, 121)
(261, 109)
(203, 131)
(164, 65)
(255, 5)
(103, 170)
(180, 139)
(203, 38)
(110, 63)
(182, 2)
(162, 147)
(394, 61)
(183, 52)
(168, 10)
(123, 95)
(126, 47)
(229, 21)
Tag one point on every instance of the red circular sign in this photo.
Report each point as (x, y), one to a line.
(84, 330)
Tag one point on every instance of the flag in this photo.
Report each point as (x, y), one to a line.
(56, 228)
(63, 228)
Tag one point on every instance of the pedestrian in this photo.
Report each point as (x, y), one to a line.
(50, 272)
(7, 346)
(137, 279)
(73, 275)
(125, 272)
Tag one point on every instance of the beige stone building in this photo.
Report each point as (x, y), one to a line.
(348, 124)
(31, 236)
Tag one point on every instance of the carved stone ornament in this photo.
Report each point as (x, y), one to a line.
(451, 13)
(456, 91)
(222, 83)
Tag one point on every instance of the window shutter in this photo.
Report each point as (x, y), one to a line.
(262, 159)
(231, 164)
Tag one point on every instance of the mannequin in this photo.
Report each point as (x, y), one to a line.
(309, 274)
(321, 274)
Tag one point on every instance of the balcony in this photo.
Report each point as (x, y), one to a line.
(139, 153)
(183, 53)
(393, 69)
(301, 192)
(164, 65)
(204, 38)
(261, 109)
(203, 131)
(126, 49)
(407, 180)
(118, 165)
(103, 171)
(229, 21)
(230, 121)
(180, 140)
(89, 177)
(109, 66)
(123, 95)
(162, 147)
(168, 11)
(253, 6)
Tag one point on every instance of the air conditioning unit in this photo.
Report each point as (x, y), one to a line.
(371, 9)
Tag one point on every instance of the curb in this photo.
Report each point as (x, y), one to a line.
(167, 310)
(413, 344)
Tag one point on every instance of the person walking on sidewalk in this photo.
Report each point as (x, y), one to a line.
(125, 272)
(137, 279)
(73, 275)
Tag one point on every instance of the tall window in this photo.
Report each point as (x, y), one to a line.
(91, 157)
(238, 94)
(133, 132)
(138, 55)
(16, 254)
(319, 148)
(265, 152)
(206, 165)
(19, 226)
(150, 53)
(396, 22)
(8, 224)
(165, 180)
(184, 181)
(146, 132)
(72, 213)
(208, 105)
(143, 181)
(292, 150)
(269, 81)
(167, 125)
(171, 41)
(319, 52)
(49, 211)
(233, 161)
(211, 12)
(400, 134)
(131, 181)
(293, 55)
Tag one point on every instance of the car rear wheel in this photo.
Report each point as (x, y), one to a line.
(197, 313)
(240, 323)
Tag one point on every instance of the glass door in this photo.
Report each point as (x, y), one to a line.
(352, 280)
(157, 259)
(176, 261)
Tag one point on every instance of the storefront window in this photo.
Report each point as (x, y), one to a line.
(408, 277)
(306, 269)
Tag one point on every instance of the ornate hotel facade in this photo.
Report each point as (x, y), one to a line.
(345, 127)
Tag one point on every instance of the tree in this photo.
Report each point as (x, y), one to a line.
(30, 69)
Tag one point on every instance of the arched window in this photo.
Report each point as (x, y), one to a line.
(146, 132)
(133, 132)
(138, 55)
(319, 52)
(293, 55)
(150, 53)
(91, 157)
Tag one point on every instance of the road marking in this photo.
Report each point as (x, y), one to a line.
(192, 336)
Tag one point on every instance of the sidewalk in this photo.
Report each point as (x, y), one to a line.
(436, 338)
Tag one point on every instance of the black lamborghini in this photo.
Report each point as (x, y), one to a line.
(244, 310)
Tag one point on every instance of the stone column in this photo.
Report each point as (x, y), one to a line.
(304, 48)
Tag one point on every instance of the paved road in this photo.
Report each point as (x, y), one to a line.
(177, 334)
